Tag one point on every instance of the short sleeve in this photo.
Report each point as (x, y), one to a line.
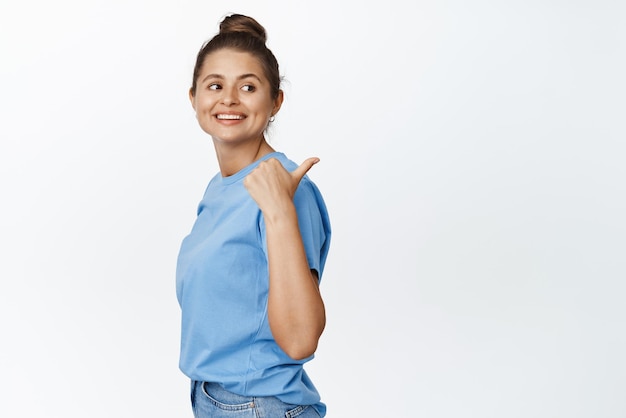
(314, 224)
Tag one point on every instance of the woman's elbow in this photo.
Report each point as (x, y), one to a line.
(299, 351)
(303, 345)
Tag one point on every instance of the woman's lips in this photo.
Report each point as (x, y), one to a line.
(226, 116)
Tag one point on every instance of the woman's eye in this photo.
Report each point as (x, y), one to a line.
(214, 86)
(248, 87)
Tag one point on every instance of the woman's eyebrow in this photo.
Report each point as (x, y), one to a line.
(212, 76)
(241, 77)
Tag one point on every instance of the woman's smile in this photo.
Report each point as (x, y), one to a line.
(229, 116)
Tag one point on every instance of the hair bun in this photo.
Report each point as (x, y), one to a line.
(244, 24)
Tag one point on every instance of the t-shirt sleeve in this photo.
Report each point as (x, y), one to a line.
(314, 224)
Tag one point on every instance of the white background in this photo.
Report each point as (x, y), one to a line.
(472, 159)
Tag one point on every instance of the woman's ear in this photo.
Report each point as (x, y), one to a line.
(192, 99)
(278, 102)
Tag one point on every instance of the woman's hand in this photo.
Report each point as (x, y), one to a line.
(272, 187)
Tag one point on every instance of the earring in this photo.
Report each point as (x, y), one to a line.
(272, 118)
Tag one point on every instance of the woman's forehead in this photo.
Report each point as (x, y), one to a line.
(230, 61)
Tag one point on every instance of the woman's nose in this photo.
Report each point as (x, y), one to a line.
(230, 96)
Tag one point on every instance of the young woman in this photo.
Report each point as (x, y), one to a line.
(248, 272)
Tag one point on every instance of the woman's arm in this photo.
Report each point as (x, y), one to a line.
(295, 307)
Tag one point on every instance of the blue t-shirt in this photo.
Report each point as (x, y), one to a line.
(222, 283)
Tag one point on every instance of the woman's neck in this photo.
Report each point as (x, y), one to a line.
(232, 158)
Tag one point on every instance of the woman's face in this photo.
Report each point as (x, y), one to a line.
(232, 100)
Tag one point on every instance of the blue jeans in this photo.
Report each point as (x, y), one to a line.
(210, 400)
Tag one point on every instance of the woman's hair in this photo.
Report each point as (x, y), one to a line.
(244, 34)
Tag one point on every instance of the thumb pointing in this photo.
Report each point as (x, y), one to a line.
(299, 172)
